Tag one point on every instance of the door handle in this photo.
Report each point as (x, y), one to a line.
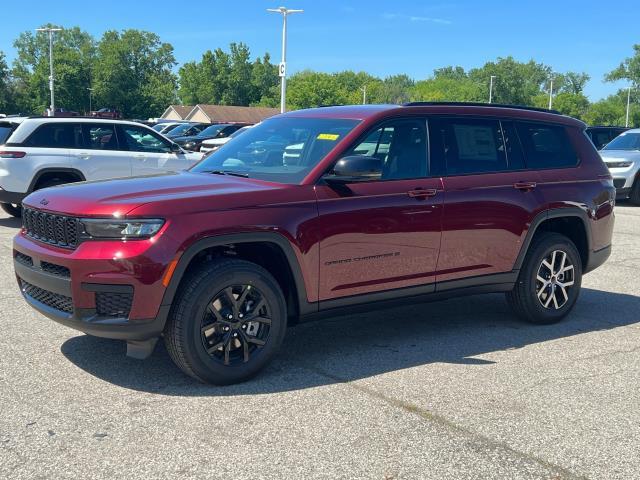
(83, 155)
(422, 193)
(140, 156)
(525, 186)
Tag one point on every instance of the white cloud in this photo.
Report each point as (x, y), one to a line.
(415, 18)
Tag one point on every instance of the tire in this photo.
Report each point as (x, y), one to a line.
(15, 210)
(52, 182)
(193, 328)
(530, 295)
(634, 196)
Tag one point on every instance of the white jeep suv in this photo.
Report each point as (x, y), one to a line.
(39, 152)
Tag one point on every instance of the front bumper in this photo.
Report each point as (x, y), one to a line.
(99, 288)
(11, 197)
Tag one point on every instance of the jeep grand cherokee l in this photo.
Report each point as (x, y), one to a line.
(379, 203)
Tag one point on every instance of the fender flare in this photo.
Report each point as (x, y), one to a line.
(562, 212)
(304, 306)
(44, 171)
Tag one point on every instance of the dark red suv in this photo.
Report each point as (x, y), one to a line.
(317, 211)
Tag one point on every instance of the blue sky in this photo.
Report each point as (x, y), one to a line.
(380, 37)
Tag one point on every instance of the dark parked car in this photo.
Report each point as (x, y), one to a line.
(106, 113)
(186, 130)
(600, 136)
(372, 205)
(218, 130)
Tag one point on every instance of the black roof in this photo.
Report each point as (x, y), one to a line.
(481, 104)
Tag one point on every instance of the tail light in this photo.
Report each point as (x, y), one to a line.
(6, 154)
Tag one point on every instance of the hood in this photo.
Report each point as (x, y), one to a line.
(633, 155)
(119, 197)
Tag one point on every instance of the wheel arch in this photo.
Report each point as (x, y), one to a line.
(297, 290)
(550, 220)
(45, 172)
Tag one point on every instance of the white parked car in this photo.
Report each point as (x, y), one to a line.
(42, 152)
(622, 156)
(215, 143)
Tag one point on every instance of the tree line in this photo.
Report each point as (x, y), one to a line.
(135, 72)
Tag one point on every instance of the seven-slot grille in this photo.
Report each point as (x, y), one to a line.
(49, 228)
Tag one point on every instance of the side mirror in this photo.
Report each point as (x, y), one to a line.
(355, 168)
(175, 148)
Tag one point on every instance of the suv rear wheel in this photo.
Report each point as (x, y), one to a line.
(227, 323)
(549, 282)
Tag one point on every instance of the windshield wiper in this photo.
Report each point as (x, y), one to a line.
(227, 172)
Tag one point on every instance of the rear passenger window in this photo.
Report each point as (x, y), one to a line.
(56, 135)
(546, 146)
(101, 136)
(470, 146)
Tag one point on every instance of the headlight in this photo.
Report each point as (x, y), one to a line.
(123, 229)
(623, 164)
(188, 145)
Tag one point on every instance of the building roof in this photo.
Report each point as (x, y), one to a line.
(181, 110)
(228, 113)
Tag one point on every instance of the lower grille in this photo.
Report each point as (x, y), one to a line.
(112, 304)
(619, 182)
(50, 299)
(57, 270)
(24, 259)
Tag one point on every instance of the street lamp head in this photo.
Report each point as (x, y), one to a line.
(49, 29)
(284, 10)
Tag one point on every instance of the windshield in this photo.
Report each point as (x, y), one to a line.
(280, 150)
(625, 141)
(211, 131)
(180, 129)
(158, 127)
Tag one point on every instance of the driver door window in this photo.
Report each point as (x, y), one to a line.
(401, 148)
(152, 154)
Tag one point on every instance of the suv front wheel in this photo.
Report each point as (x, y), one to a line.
(549, 281)
(227, 323)
(13, 209)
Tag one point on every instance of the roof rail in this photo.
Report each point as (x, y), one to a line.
(481, 104)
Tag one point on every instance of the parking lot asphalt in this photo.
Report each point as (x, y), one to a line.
(450, 390)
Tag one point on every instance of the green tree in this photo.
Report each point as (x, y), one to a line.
(629, 69)
(516, 82)
(73, 57)
(448, 89)
(264, 79)
(133, 73)
(6, 87)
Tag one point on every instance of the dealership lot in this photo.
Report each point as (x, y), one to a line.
(456, 389)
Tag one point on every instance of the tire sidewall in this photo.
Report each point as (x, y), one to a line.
(201, 362)
(538, 313)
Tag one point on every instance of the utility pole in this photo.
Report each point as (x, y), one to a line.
(50, 30)
(90, 92)
(626, 123)
(282, 70)
(364, 95)
(491, 88)
(550, 93)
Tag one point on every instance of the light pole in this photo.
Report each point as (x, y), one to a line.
(626, 122)
(364, 95)
(491, 88)
(550, 93)
(50, 30)
(282, 70)
(90, 92)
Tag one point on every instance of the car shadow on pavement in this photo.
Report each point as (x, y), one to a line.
(342, 349)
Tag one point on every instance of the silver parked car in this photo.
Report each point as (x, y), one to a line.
(622, 156)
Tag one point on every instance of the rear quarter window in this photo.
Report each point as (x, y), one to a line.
(56, 135)
(546, 146)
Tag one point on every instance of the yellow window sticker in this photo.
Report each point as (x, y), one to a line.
(328, 136)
